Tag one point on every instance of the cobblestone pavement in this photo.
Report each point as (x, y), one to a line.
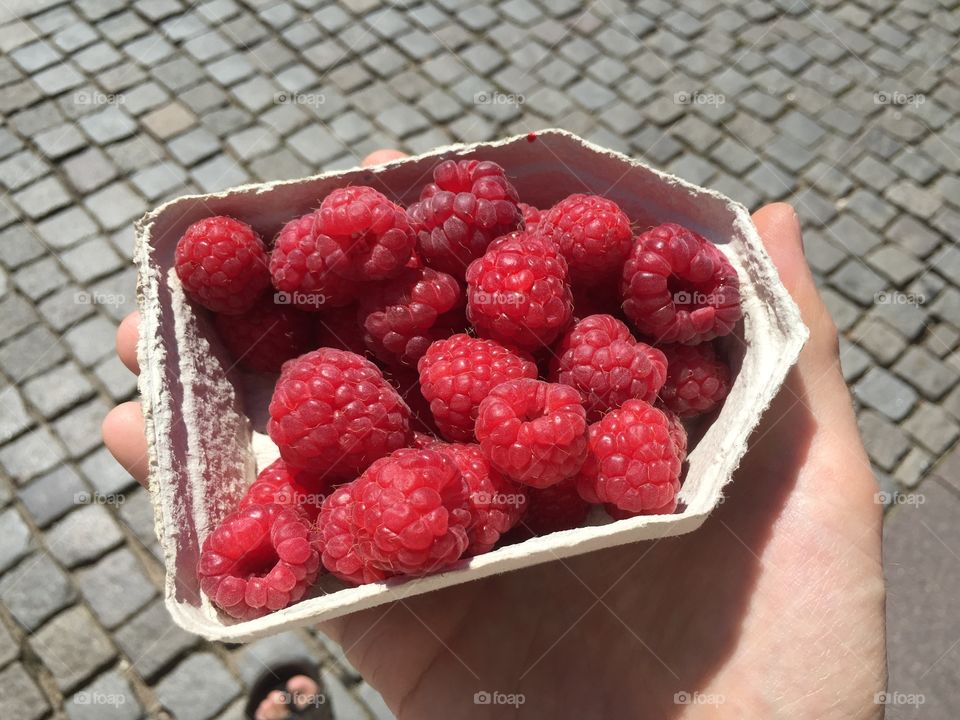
(847, 110)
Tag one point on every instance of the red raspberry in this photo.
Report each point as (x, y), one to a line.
(266, 336)
(593, 234)
(458, 372)
(518, 293)
(333, 413)
(408, 514)
(468, 204)
(338, 543)
(697, 380)
(279, 483)
(403, 316)
(533, 432)
(633, 462)
(496, 503)
(605, 363)
(259, 559)
(531, 215)
(372, 237)
(678, 287)
(222, 264)
(301, 267)
(558, 507)
(337, 328)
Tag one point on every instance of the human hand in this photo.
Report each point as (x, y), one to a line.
(773, 608)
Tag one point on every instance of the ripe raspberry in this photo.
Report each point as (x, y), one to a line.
(678, 287)
(533, 432)
(458, 372)
(517, 292)
(279, 483)
(259, 559)
(558, 507)
(496, 503)
(301, 267)
(371, 236)
(408, 514)
(337, 328)
(633, 461)
(531, 215)
(339, 547)
(593, 234)
(333, 413)
(468, 204)
(697, 380)
(403, 316)
(222, 264)
(266, 335)
(602, 360)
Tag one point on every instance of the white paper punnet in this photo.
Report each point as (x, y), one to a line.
(205, 421)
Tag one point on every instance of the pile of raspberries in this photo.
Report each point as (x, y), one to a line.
(465, 372)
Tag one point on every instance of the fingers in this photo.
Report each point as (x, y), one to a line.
(378, 157)
(127, 335)
(123, 434)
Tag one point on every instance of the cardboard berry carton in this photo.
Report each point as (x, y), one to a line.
(205, 420)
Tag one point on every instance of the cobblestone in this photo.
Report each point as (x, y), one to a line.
(34, 590)
(180, 693)
(21, 698)
(73, 647)
(116, 587)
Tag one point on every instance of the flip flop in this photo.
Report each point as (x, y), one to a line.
(276, 678)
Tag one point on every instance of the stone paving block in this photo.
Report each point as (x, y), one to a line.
(17, 539)
(104, 473)
(34, 590)
(31, 353)
(52, 495)
(882, 341)
(115, 587)
(884, 441)
(31, 454)
(158, 180)
(942, 338)
(115, 205)
(73, 647)
(107, 125)
(21, 169)
(56, 390)
(925, 372)
(42, 197)
(9, 647)
(219, 173)
(79, 429)
(89, 170)
(151, 640)
(932, 427)
(881, 390)
(21, 697)
(136, 513)
(273, 651)
(83, 535)
(194, 146)
(66, 307)
(120, 383)
(14, 419)
(39, 279)
(895, 264)
(109, 695)
(180, 693)
(853, 361)
(91, 259)
(169, 120)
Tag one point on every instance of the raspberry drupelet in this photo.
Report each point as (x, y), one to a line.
(266, 335)
(678, 287)
(601, 359)
(468, 204)
(533, 432)
(518, 293)
(280, 484)
(222, 264)
(558, 507)
(260, 558)
(333, 413)
(697, 379)
(634, 460)
(458, 372)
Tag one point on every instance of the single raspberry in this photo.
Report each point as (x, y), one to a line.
(558, 507)
(279, 483)
(339, 546)
(533, 432)
(259, 559)
(458, 372)
(633, 460)
(301, 267)
(697, 380)
(468, 204)
(222, 264)
(496, 503)
(401, 317)
(531, 215)
(593, 234)
(333, 413)
(518, 293)
(408, 513)
(607, 365)
(266, 335)
(337, 328)
(678, 287)
(372, 237)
